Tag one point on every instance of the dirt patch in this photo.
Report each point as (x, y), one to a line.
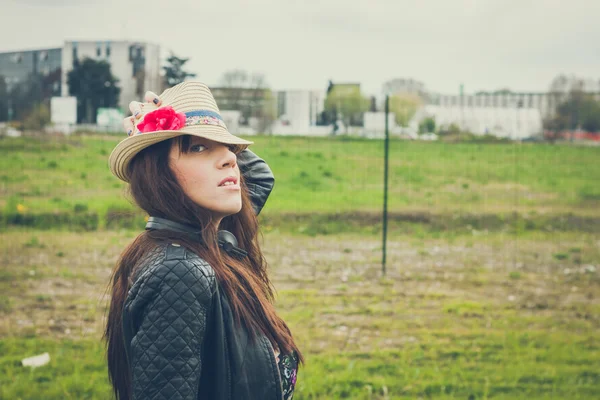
(54, 285)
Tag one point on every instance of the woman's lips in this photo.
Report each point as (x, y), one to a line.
(234, 186)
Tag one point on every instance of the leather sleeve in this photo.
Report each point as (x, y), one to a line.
(171, 306)
(258, 177)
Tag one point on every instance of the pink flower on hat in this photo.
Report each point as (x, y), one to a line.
(162, 119)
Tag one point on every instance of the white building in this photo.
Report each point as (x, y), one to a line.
(546, 103)
(513, 123)
(135, 64)
(374, 122)
(541, 101)
(298, 112)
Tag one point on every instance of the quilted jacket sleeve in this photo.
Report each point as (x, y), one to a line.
(258, 177)
(171, 309)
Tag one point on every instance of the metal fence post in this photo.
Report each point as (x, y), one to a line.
(385, 183)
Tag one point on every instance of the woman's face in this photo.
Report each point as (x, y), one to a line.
(202, 170)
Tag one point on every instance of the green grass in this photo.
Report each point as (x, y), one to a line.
(327, 175)
(476, 303)
(76, 370)
(486, 316)
(481, 365)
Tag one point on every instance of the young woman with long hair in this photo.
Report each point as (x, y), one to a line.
(191, 313)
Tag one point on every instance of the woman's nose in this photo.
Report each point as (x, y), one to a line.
(229, 159)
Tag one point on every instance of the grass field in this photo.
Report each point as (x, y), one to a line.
(469, 309)
(456, 317)
(328, 175)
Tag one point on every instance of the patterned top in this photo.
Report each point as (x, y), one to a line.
(288, 368)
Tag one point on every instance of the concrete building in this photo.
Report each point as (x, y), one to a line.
(249, 101)
(21, 69)
(546, 103)
(136, 65)
(298, 112)
(18, 66)
(374, 123)
(513, 123)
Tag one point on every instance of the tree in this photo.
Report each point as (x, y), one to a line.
(328, 117)
(37, 118)
(248, 93)
(566, 84)
(23, 97)
(503, 91)
(347, 103)
(267, 112)
(450, 130)
(561, 87)
(174, 73)
(239, 78)
(590, 115)
(404, 106)
(579, 111)
(427, 125)
(3, 100)
(244, 90)
(94, 86)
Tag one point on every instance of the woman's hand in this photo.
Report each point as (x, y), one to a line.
(136, 110)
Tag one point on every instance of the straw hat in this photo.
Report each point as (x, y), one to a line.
(187, 109)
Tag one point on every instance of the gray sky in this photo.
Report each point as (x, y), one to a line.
(486, 44)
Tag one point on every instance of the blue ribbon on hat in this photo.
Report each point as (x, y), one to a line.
(204, 117)
(203, 113)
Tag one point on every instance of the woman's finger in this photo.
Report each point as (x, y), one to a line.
(128, 124)
(136, 109)
(152, 97)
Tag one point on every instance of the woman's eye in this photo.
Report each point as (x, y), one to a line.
(197, 148)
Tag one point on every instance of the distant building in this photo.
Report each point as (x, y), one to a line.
(514, 123)
(136, 65)
(544, 102)
(254, 108)
(245, 100)
(26, 67)
(298, 110)
(19, 66)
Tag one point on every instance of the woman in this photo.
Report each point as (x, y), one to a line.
(191, 313)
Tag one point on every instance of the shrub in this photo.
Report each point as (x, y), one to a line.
(124, 218)
(561, 256)
(38, 118)
(589, 193)
(427, 125)
(80, 207)
(81, 221)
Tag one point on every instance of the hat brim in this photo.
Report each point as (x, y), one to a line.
(128, 148)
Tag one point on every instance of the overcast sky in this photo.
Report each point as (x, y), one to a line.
(485, 44)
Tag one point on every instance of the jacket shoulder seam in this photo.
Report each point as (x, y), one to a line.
(161, 265)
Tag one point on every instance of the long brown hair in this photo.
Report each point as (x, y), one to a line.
(246, 284)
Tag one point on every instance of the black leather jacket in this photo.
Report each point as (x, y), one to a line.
(179, 332)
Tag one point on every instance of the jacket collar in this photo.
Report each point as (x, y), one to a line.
(225, 239)
(163, 223)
